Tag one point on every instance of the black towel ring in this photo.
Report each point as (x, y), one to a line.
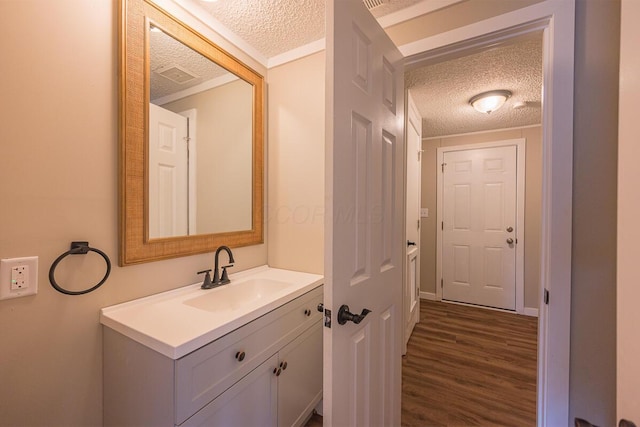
(78, 248)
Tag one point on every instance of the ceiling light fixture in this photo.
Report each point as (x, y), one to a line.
(488, 102)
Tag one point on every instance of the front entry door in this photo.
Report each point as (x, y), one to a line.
(479, 221)
(364, 233)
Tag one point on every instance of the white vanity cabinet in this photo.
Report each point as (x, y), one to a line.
(267, 372)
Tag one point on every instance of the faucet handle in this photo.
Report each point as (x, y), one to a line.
(207, 284)
(225, 277)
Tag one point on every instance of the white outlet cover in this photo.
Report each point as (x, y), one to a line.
(5, 277)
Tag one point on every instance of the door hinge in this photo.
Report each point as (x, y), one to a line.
(443, 167)
(546, 297)
(418, 224)
(441, 282)
(442, 225)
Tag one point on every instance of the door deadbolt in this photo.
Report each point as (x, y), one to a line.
(509, 229)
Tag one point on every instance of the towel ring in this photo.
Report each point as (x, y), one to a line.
(78, 248)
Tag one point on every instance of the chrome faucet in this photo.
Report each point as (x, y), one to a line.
(220, 279)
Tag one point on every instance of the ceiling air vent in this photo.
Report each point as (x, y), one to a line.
(373, 3)
(177, 74)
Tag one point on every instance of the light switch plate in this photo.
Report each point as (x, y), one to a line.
(18, 277)
(424, 213)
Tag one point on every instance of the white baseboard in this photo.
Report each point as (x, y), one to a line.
(530, 311)
(428, 295)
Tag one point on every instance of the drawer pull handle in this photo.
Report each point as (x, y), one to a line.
(240, 356)
(283, 365)
(277, 371)
(307, 312)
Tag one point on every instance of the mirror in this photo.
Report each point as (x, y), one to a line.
(191, 150)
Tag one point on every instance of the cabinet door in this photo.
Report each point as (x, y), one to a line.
(300, 383)
(249, 402)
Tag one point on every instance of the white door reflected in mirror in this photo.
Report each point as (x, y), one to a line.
(200, 180)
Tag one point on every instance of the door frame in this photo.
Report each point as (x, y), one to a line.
(557, 21)
(520, 145)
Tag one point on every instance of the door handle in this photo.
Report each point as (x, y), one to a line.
(344, 315)
(509, 229)
(410, 243)
(510, 241)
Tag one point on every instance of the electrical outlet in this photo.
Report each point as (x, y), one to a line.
(18, 277)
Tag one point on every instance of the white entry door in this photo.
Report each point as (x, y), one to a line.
(480, 226)
(414, 178)
(168, 173)
(364, 233)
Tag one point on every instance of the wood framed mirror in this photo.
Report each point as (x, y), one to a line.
(190, 141)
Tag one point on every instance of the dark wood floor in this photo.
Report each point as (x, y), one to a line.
(468, 366)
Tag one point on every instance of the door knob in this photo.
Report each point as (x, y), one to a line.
(344, 315)
(510, 241)
(509, 229)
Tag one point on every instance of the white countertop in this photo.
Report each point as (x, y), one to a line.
(168, 324)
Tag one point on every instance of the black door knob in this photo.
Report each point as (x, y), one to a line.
(320, 307)
(344, 315)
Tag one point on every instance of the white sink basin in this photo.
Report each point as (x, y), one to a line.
(233, 296)
(177, 322)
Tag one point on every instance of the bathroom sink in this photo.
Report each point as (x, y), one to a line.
(178, 322)
(235, 295)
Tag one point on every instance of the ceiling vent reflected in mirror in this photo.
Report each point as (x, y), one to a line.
(177, 74)
(374, 3)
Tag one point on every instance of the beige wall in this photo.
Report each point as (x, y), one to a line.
(296, 164)
(58, 183)
(223, 146)
(628, 344)
(533, 188)
(592, 386)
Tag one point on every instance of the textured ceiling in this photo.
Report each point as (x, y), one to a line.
(442, 91)
(166, 52)
(277, 26)
(271, 26)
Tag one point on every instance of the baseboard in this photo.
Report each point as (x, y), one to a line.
(428, 295)
(530, 311)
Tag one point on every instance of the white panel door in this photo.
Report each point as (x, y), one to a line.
(479, 226)
(168, 173)
(364, 233)
(414, 178)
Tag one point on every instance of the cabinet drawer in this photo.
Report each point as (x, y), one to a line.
(207, 372)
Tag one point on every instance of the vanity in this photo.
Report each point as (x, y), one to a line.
(248, 353)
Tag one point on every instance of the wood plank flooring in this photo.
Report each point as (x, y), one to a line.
(468, 366)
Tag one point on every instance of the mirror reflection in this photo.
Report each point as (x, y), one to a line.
(200, 143)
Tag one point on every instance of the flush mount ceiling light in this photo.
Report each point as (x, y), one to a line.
(487, 102)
